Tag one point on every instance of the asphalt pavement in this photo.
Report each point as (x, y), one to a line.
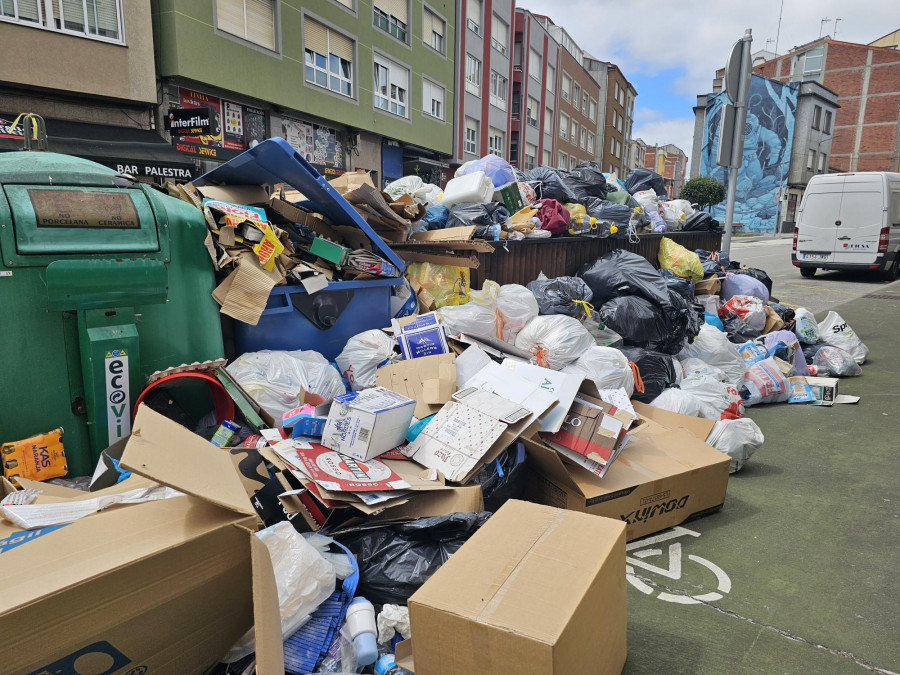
(798, 572)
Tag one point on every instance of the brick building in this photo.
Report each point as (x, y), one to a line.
(866, 80)
(670, 162)
(620, 96)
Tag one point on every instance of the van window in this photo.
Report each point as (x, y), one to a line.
(895, 208)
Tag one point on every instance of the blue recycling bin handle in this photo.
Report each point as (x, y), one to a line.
(274, 161)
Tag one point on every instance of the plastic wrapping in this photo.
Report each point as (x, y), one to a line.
(304, 580)
(648, 200)
(742, 284)
(363, 355)
(713, 347)
(516, 306)
(718, 400)
(738, 439)
(396, 559)
(835, 362)
(683, 262)
(710, 303)
(653, 372)
(408, 185)
(838, 333)
(603, 335)
(749, 313)
(643, 179)
(555, 341)
(447, 284)
(677, 401)
(472, 318)
(607, 367)
(691, 365)
(810, 351)
(494, 167)
(765, 383)
(504, 478)
(559, 295)
(621, 272)
(805, 326)
(275, 378)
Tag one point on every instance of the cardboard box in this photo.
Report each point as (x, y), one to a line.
(709, 286)
(510, 196)
(163, 586)
(423, 336)
(592, 428)
(366, 423)
(664, 476)
(535, 590)
(430, 381)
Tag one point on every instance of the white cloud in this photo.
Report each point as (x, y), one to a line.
(678, 131)
(647, 115)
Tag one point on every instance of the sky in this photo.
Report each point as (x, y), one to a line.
(670, 51)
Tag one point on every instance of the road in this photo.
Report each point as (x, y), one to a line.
(823, 291)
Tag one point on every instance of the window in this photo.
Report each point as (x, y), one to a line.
(551, 78)
(471, 136)
(811, 160)
(583, 138)
(250, 20)
(817, 117)
(574, 133)
(615, 118)
(823, 163)
(499, 88)
(391, 16)
(621, 97)
(616, 97)
(563, 161)
(573, 161)
(576, 96)
(391, 86)
(592, 111)
(513, 151)
(546, 158)
(534, 63)
(531, 112)
(432, 99)
(566, 86)
(812, 64)
(548, 120)
(473, 75)
(530, 156)
(92, 18)
(500, 35)
(590, 143)
(585, 99)
(619, 124)
(618, 149)
(612, 145)
(473, 16)
(433, 30)
(329, 58)
(516, 104)
(563, 125)
(496, 142)
(827, 127)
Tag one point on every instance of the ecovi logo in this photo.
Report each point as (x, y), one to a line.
(118, 400)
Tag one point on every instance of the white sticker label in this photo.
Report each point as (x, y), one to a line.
(118, 398)
(6, 273)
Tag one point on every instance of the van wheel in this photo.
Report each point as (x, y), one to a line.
(808, 272)
(891, 273)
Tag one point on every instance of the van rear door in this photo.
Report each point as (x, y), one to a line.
(862, 216)
(816, 231)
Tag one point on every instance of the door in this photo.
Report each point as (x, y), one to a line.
(820, 208)
(862, 215)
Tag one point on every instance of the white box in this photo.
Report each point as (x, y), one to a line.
(367, 423)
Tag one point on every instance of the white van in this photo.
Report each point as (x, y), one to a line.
(849, 221)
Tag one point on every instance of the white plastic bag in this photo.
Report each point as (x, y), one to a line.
(362, 355)
(738, 439)
(713, 347)
(516, 306)
(749, 309)
(607, 367)
(274, 378)
(765, 383)
(806, 328)
(408, 185)
(648, 200)
(693, 365)
(303, 577)
(837, 332)
(717, 399)
(835, 362)
(556, 340)
(678, 401)
(471, 318)
(711, 303)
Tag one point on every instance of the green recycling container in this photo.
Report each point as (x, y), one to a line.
(102, 282)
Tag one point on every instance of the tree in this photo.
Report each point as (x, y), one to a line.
(704, 192)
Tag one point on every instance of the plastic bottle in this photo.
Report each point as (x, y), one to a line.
(495, 231)
(361, 624)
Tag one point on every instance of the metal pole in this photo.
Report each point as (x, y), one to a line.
(737, 148)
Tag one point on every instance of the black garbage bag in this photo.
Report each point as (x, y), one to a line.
(605, 210)
(548, 184)
(654, 372)
(557, 296)
(396, 559)
(684, 287)
(471, 213)
(640, 322)
(586, 180)
(504, 478)
(756, 273)
(684, 319)
(645, 179)
(786, 313)
(622, 272)
(700, 221)
(714, 262)
(736, 329)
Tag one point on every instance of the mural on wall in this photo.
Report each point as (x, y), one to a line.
(769, 133)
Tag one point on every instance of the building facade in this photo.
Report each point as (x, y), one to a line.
(620, 95)
(866, 79)
(669, 161)
(637, 152)
(90, 75)
(483, 110)
(348, 84)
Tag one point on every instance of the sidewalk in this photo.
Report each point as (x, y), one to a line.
(808, 538)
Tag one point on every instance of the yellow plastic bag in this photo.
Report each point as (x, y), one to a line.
(679, 260)
(447, 284)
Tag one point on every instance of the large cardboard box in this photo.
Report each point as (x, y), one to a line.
(664, 476)
(536, 590)
(159, 587)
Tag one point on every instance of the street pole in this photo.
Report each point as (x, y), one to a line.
(737, 147)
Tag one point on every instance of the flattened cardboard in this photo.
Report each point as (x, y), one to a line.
(463, 233)
(408, 255)
(410, 377)
(535, 590)
(249, 195)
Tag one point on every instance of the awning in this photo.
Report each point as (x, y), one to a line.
(139, 152)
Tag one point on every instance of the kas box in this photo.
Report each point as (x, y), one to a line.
(367, 423)
(665, 475)
(535, 590)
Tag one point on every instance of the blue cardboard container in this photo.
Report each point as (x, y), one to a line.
(294, 319)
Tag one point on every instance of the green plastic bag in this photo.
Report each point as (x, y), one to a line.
(679, 260)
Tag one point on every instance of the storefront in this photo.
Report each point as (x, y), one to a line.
(322, 145)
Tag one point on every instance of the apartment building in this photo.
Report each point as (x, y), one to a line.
(348, 83)
(484, 71)
(87, 69)
(670, 162)
(620, 95)
(637, 153)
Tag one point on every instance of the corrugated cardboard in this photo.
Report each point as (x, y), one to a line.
(366, 423)
(463, 233)
(411, 377)
(249, 195)
(535, 590)
(663, 477)
(164, 586)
